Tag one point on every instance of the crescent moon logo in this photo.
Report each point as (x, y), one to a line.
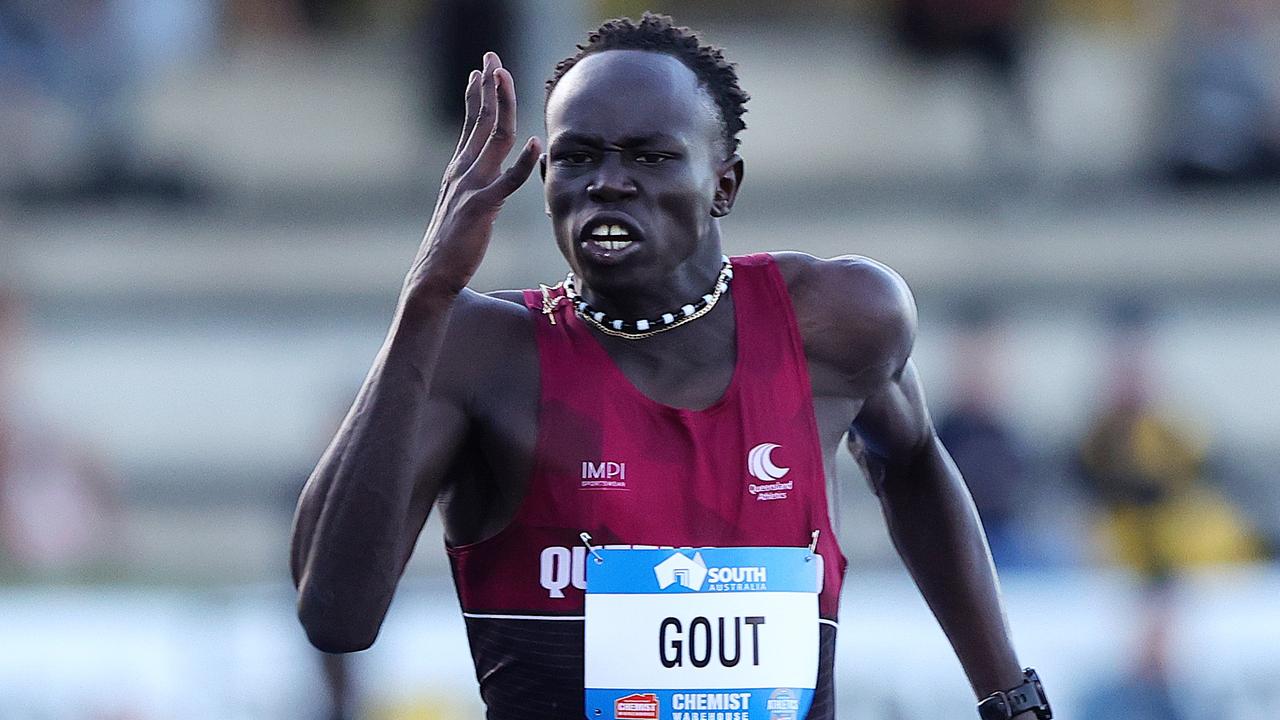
(760, 463)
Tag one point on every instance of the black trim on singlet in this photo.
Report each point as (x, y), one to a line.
(533, 668)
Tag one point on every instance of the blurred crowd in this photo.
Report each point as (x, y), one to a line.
(58, 501)
(1142, 477)
(71, 74)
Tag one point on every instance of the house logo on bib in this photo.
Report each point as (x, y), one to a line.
(680, 568)
(637, 706)
(761, 466)
(680, 572)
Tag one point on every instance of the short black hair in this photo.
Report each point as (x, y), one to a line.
(659, 33)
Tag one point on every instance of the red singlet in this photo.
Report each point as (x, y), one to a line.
(746, 471)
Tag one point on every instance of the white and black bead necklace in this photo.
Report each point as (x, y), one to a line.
(639, 329)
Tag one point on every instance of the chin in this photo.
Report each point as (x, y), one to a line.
(614, 277)
(619, 271)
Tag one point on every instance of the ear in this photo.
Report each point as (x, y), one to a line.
(727, 185)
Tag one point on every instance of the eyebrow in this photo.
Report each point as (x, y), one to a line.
(629, 141)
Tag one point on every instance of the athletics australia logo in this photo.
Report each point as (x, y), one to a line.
(783, 704)
(761, 466)
(680, 568)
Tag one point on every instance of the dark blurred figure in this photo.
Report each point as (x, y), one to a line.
(1225, 114)
(1145, 690)
(451, 40)
(987, 30)
(67, 71)
(339, 686)
(58, 507)
(991, 456)
(993, 34)
(1145, 472)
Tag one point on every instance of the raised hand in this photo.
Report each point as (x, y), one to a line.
(474, 187)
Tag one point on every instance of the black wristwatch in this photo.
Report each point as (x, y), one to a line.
(1027, 696)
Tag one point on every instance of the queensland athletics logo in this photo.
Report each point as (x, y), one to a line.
(636, 706)
(761, 466)
(760, 463)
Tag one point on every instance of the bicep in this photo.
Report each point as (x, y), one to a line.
(470, 373)
(445, 420)
(445, 425)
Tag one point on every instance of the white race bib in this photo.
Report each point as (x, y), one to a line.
(706, 634)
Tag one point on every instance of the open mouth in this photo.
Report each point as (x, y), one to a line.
(608, 236)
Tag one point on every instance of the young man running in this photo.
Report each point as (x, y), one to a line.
(661, 396)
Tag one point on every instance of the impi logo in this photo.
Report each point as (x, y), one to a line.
(680, 568)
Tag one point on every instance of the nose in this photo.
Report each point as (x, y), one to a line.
(611, 181)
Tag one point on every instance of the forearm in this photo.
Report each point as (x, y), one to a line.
(352, 529)
(936, 530)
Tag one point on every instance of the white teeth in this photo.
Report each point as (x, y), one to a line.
(613, 244)
(609, 230)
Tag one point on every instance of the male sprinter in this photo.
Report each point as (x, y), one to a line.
(662, 396)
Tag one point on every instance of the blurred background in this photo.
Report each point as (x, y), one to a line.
(207, 207)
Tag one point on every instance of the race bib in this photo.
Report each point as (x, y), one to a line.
(706, 634)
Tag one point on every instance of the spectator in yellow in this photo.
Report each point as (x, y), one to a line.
(1145, 473)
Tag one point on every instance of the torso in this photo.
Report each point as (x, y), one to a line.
(689, 367)
(638, 445)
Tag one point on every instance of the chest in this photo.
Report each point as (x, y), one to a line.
(634, 433)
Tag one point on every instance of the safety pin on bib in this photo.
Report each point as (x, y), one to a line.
(813, 545)
(595, 553)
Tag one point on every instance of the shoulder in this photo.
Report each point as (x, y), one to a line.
(489, 341)
(856, 316)
(477, 315)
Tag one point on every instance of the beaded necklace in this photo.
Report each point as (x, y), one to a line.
(637, 329)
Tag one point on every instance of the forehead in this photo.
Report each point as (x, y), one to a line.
(631, 93)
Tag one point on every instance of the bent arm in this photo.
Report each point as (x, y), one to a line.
(863, 344)
(935, 527)
(368, 498)
(366, 502)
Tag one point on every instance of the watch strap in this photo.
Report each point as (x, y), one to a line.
(1006, 704)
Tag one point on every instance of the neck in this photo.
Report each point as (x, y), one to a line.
(685, 284)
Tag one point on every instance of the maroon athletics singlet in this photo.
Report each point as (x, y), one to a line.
(746, 471)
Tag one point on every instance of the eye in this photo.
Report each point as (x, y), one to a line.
(574, 157)
(652, 158)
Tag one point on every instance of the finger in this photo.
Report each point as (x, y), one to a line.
(513, 177)
(503, 134)
(473, 109)
(486, 117)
